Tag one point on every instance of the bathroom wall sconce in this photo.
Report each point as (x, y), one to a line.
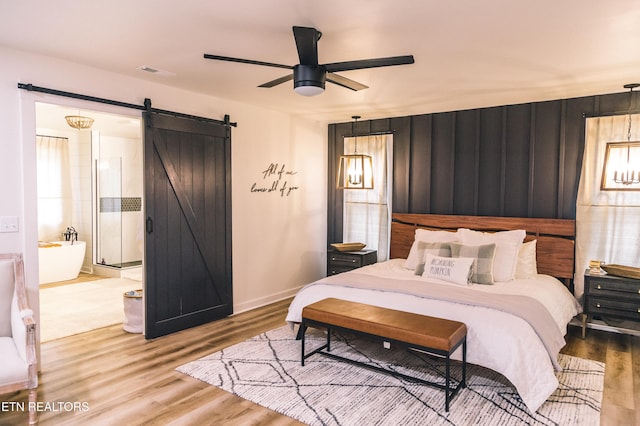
(355, 171)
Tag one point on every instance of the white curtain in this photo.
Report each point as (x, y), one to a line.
(367, 212)
(54, 187)
(607, 222)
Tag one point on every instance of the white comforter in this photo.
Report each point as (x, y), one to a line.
(497, 340)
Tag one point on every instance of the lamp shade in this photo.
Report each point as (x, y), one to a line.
(355, 171)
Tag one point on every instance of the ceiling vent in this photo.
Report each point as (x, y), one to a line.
(157, 71)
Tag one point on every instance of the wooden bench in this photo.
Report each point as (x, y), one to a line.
(418, 332)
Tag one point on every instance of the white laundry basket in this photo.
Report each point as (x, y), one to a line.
(133, 311)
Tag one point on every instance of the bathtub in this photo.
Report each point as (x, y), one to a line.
(60, 260)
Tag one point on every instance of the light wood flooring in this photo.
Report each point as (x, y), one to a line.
(127, 380)
(83, 277)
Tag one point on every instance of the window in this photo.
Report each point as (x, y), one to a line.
(54, 186)
(607, 221)
(367, 212)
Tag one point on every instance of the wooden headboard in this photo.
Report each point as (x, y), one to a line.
(554, 250)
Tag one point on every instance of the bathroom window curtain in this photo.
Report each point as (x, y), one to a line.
(367, 212)
(54, 187)
(607, 222)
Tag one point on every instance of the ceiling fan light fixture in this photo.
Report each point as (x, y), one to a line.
(309, 90)
(308, 80)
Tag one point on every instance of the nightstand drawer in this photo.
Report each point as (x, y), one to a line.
(623, 290)
(345, 259)
(616, 308)
(338, 262)
(338, 269)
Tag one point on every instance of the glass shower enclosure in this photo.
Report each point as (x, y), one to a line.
(118, 214)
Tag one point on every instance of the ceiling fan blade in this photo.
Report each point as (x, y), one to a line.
(307, 44)
(369, 63)
(345, 82)
(277, 81)
(246, 61)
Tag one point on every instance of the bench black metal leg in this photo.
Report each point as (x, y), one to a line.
(450, 392)
(301, 331)
(447, 391)
(464, 363)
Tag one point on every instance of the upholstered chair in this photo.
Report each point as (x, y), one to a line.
(18, 366)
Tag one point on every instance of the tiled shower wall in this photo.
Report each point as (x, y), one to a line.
(80, 163)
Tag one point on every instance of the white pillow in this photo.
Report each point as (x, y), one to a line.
(455, 270)
(527, 266)
(507, 246)
(415, 256)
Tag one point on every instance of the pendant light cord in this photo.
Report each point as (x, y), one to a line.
(355, 135)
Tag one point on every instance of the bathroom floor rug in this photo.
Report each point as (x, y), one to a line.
(77, 308)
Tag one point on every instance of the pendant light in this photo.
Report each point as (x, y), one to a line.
(627, 175)
(622, 159)
(79, 122)
(355, 171)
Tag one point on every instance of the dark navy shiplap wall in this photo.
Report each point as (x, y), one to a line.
(515, 160)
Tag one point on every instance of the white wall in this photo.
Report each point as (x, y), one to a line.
(279, 242)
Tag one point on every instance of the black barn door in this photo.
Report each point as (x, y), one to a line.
(188, 223)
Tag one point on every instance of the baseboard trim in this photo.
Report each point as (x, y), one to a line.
(262, 301)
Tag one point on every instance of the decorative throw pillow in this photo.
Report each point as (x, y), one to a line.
(527, 266)
(453, 270)
(437, 249)
(414, 258)
(507, 246)
(483, 255)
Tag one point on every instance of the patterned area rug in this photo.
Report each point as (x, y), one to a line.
(266, 370)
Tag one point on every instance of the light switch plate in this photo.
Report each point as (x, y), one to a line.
(9, 224)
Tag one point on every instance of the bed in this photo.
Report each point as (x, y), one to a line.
(516, 319)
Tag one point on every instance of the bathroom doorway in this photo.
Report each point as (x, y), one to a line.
(100, 208)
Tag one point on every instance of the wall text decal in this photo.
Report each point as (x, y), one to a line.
(274, 180)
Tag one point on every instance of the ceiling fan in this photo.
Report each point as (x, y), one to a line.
(308, 76)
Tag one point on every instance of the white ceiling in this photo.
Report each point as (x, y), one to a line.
(50, 120)
(468, 53)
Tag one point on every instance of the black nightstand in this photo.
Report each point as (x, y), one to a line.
(610, 296)
(342, 261)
